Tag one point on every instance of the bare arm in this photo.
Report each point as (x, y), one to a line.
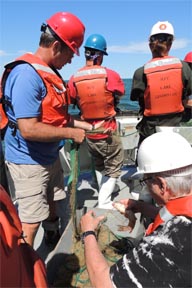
(97, 266)
(146, 209)
(86, 125)
(187, 103)
(33, 130)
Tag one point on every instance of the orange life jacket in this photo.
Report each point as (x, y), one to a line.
(180, 206)
(163, 94)
(20, 266)
(55, 104)
(94, 100)
(3, 117)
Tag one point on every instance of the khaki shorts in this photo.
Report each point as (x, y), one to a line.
(33, 186)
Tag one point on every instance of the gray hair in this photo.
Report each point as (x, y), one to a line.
(179, 181)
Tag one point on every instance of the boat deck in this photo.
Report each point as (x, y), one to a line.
(87, 196)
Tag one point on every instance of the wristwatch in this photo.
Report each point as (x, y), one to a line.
(85, 234)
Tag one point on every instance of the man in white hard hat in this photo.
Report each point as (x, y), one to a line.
(163, 256)
(163, 85)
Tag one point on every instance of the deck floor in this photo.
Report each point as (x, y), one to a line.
(87, 197)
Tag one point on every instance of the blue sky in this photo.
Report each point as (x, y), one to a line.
(125, 25)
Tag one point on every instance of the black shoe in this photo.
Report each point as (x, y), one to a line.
(51, 237)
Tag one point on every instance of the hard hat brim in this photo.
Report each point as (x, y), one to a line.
(137, 175)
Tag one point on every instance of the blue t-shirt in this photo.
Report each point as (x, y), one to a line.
(26, 90)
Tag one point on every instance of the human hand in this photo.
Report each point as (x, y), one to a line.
(78, 135)
(99, 124)
(108, 131)
(89, 222)
(126, 204)
(99, 128)
(130, 204)
(123, 206)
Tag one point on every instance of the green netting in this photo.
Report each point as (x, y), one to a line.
(73, 273)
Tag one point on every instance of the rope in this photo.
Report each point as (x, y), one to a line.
(72, 183)
(127, 135)
(101, 131)
(105, 237)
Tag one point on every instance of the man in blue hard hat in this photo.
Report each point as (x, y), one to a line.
(94, 89)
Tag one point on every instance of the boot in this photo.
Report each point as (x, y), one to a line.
(99, 176)
(106, 189)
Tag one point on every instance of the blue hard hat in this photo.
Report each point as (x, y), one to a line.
(97, 42)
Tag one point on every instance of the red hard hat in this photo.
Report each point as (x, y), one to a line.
(188, 57)
(69, 28)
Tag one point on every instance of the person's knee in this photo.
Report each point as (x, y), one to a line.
(32, 227)
(30, 231)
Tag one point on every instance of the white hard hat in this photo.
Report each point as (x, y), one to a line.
(163, 27)
(163, 151)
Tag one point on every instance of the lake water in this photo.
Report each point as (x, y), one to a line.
(125, 103)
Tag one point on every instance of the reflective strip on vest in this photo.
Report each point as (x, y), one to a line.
(90, 72)
(55, 103)
(162, 62)
(165, 214)
(50, 71)
(43, 68)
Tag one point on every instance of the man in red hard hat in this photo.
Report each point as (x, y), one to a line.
(68, 28)
(188, 58)
(37, 109)
(187, 116)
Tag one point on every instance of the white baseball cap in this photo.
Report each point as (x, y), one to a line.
(163, 27)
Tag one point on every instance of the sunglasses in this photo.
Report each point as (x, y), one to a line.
(161, 38)
(144, 181)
